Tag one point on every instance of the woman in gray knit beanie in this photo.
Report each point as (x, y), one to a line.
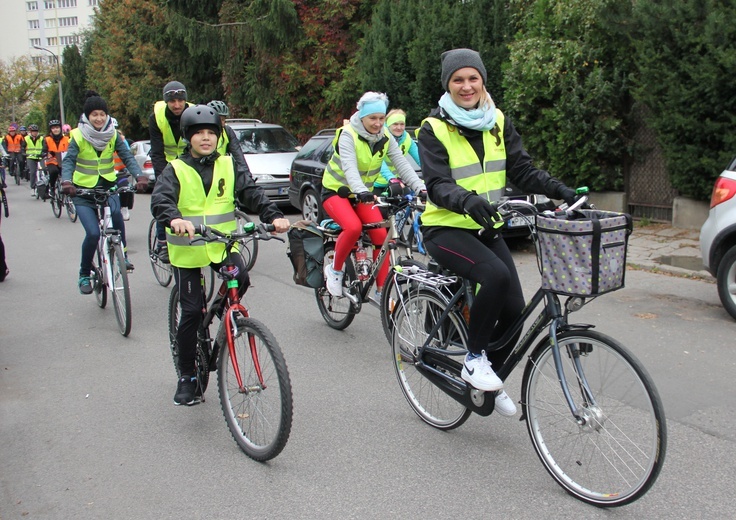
(468, 148)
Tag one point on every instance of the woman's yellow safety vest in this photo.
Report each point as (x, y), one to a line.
(91, 166)
(34, 148)
(369, 164)
(487, 179)
(172, 148)
(215, 209)
(223, 142)
(403, 146)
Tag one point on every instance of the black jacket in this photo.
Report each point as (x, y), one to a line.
(158, 158)
(247, 194)
(442, 189)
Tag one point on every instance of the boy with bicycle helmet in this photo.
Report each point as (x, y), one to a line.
(468, 148)
(228, 143)
(34, 148)
(54, 145)
(202, 187)
(89, 164)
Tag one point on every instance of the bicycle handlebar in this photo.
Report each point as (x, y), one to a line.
(261, 231)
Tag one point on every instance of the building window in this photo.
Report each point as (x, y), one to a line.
(32, 6)
(50, 23)
(49, 4)
(69, 40)
(35, 42)
(52, 41)
(70, 21)
(93, 3)
(67, 3)
(33, 24)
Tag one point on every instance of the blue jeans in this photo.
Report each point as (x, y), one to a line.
(90, 221)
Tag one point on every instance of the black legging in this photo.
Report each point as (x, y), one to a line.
(190, 298)
(487, 261)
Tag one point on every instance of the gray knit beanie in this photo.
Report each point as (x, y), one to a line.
(457, 59)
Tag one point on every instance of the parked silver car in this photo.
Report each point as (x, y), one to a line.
(140, 150)
(269, 151)
(718, 237)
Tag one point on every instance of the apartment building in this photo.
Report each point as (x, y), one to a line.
(47, 24)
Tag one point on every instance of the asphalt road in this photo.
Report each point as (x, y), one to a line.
(88, 428)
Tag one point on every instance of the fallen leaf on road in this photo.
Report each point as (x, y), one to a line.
(646, 315)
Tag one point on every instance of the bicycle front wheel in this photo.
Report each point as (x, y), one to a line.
(258, 414)
(120, 290)
(161, 271)
(340, 312)
(98, 284)
(413, 319)
(173, 319)
(56, 204)
(71, 209)
(249, 245)
(614, 452)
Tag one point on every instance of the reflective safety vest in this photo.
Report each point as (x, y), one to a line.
(52, 146)
(13, 143)
(404, 146)
(223, 142)
(172, 148)
(90, 166)
(487, 179)
(369, 163)
(215, 209)
(34, 147)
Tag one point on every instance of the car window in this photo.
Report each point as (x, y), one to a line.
(309, 148)
(266, 140)
(327, 153)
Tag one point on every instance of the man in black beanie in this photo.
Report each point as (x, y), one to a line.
(167, 143)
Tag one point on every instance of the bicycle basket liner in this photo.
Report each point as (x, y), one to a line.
(306, 252)
(583, 254)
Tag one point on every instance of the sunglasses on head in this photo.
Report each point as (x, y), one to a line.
(178, 92)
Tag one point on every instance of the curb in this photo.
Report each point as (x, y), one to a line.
(679, 272)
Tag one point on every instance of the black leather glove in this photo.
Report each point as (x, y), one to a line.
(568, 195)
(365, 197)
(423, 196)
(394, 188)
(141, 184)
(481, 211)
(68, 188)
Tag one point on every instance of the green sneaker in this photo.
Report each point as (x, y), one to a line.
(85, 285)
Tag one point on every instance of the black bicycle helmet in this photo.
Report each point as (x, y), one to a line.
(220, 107)
(33, 128)
(198, 117)
(54, 122)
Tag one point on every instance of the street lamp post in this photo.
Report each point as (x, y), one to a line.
(58, 79)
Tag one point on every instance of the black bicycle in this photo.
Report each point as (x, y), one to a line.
(252, 377)
(592, 411)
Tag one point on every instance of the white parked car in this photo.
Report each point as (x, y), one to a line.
(140, 150)
(269, 151)
(718, 237)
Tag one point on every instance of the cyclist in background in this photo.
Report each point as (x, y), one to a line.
(203, 187)
(360, 147)
(126, 199)
(468, 148)
(396, 124)
(34, 148)
(167, 142)
(13, 145)
(54, 145)
(228, 143)
(89, 164)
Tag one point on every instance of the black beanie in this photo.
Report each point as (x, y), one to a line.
(94, 102)
(457, 59)
(175, 90)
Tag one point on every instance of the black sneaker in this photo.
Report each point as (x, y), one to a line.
(185, 390)
(163, 253)
(128, 265)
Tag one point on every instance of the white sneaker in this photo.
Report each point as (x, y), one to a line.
(125, 212)
(478, 372)
(334, 280)
(504, 405)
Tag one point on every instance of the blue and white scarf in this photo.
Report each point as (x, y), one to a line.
(482, 118)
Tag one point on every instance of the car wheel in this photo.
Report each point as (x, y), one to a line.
(726, 279)
(311, 206)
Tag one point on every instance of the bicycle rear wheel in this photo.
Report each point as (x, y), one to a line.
(614, 453)
(249, 245)
(98, 284)
(161, 271)
(209, 283)
(71, 209)
(413, 318)
(390, 294)
(120, 289)
(56, 203)
(339, 313)
(202, 353)
(258, 415)
(173, 319)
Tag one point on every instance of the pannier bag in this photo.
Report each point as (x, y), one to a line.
(583, 254)
(306, 252)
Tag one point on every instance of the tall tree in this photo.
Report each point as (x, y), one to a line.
(21, 80)
(686, 52)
